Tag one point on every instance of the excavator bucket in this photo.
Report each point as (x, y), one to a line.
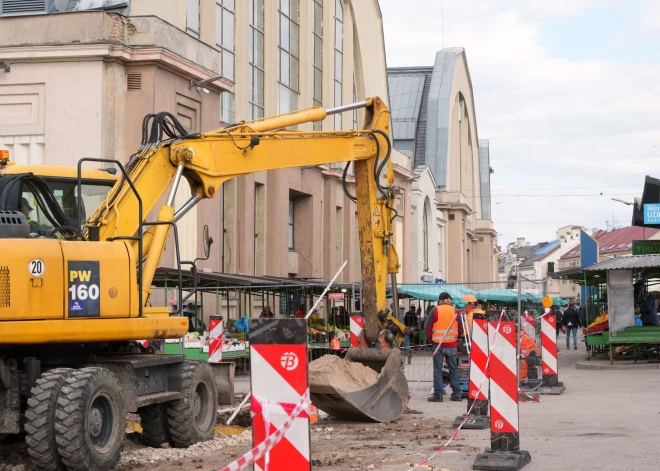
(383, 401)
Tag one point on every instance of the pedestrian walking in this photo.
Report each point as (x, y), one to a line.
(445, 330)
(571, 320)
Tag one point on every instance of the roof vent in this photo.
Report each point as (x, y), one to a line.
(25, 7)
(134, 81)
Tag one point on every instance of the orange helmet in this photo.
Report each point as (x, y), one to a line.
(468, 298)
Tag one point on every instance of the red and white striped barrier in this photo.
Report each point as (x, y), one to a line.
(278, 364)
(357, 326)
(529, 324)
(477, 404)
(503, 379)
(478, 360)
(215, 339)
(258, 452)
(549, 366)
(504, 452)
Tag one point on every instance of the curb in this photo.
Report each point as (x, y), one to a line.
(589, 365)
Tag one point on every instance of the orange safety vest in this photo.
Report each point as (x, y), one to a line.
(445, 323)
(527, 346)
(470, 315)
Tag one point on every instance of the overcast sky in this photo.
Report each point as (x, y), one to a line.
(567, 92)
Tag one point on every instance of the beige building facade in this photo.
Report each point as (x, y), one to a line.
(435, 124)
(80, 83)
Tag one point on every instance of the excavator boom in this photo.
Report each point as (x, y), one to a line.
(208, 160)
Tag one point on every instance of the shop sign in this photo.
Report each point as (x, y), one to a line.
(335, 296)
(645, 247)
(652, 214)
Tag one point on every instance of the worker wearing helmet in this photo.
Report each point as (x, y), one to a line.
(444, 332)
(26, 209)
(471, 308)
(529, 354)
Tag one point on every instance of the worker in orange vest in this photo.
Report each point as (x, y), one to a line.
(445, 330)
(529, 354)
(470, 309)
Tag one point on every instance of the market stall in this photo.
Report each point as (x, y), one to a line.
(622, 292)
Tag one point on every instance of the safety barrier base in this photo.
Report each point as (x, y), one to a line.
(501, 460)
(473, 422)
(528, 396)
(554, 390)
(532, 384)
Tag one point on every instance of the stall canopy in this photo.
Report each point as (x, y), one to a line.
(559, 302)
(431, 292)
(502, 295)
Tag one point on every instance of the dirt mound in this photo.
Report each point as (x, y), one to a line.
(330, 370)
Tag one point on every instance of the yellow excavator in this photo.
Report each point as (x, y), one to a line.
(74, 294)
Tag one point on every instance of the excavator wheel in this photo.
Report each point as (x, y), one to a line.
(40, 420)
(192, 418)
(153, 420)
(90, 420)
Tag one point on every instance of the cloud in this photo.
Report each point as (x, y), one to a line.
(552, 122)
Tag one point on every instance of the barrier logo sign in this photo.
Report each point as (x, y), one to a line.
(289, 361)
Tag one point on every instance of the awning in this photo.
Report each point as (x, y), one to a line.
(431, 292)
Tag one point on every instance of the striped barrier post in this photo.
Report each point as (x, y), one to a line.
(478, 390)
(215, 339)
(357, 326)
(504, 453)
(529, 324)
(278, 375)
(549, 366)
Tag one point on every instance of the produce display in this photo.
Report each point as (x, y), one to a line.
(600, 324)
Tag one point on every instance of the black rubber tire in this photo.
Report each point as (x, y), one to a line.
(153, 420)
(192, 418)
(90, 395)
(40, 420)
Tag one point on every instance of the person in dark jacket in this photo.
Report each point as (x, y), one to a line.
(649, 311)
(571, 321)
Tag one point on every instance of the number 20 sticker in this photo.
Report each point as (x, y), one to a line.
(37, 268)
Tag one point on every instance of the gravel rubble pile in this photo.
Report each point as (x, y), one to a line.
(135, 452)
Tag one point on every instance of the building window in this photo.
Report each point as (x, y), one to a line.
(291, 226)
(256, 74)
(192, 18)
(227, 107)
(339, 57)
(224, 35)
(288, 55)
(425, 232)
(318, 58)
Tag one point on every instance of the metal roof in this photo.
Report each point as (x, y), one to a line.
(615, 241)
(541, 253)
(627, 263)
(405, 101)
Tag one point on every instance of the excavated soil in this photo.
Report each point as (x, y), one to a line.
(337, 445)
(330, 370)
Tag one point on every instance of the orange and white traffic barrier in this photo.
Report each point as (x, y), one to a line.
(215, 339)
(549, 365)
(504, 452)
(278, 369)
(357, 326)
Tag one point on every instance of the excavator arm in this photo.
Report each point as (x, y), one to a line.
(207, 160)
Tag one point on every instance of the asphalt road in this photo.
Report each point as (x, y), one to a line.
(606, 420)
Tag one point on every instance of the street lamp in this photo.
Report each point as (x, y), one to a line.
(627, 203)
